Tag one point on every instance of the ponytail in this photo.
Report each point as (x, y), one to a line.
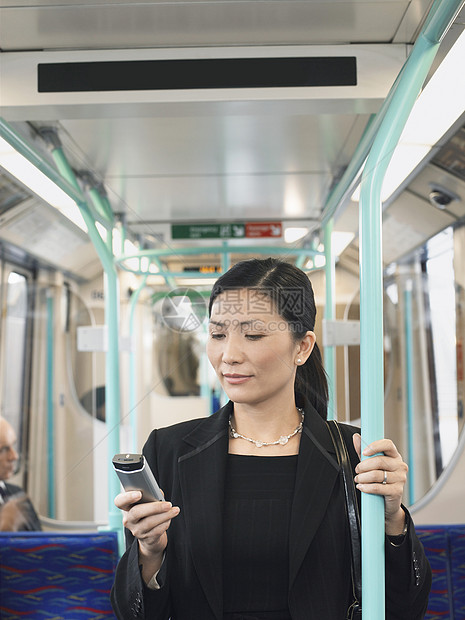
(311, 381)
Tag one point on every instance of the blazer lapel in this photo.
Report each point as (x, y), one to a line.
(202, 474)
(317, 472)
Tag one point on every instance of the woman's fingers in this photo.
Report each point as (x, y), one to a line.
(386, 446)
(382, 482)
(150, 514)
(383, 472)
(148, 520)
(124, 501)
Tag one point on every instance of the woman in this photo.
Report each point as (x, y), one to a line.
(254, 525)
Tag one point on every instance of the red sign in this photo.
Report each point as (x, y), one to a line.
(263, 229)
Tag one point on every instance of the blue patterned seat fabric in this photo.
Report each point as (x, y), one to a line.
(69, 576)
(57, 576)
(445, 549)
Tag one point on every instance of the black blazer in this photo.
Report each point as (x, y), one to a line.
(32, 520)
(189, 461)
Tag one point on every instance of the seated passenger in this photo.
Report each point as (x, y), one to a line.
(16, 510)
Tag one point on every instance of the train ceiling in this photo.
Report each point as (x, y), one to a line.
(211, 154)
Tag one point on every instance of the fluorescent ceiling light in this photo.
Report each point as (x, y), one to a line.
(294, 234)
(30, 176)
(294, 204)
(438, 107)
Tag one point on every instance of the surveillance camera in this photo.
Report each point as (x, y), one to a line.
(440, 197)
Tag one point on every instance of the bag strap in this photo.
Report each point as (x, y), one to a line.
(351, 507)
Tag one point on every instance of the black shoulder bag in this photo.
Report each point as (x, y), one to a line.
(355, 610)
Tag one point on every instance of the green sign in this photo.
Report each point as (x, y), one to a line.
(227, 230)
(208, 231)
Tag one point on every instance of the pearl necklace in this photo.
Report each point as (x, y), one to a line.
(259, 444)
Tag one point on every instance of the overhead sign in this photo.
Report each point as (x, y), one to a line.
(263, 229)
(204, 269)
(227, 230)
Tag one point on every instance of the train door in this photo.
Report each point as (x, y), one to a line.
(16, 300)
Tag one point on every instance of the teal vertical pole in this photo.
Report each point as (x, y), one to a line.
(110, 241)
(225, 258)
(372, 403)
(123, 239)
(205, 388)
(170, 281)
(101, 205)
(50, 408)
(66, 180)
(330, 350)
(225, 265)
(410, 390)
(132, 365)
(414, 73)
(300, 261)
(112, 395)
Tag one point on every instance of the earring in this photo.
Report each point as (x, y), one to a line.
(299, 361)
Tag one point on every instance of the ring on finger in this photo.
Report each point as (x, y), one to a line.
(385, 478)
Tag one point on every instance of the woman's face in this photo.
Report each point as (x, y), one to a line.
(251, 347)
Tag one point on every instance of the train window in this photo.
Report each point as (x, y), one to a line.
(88, 369)
(441, 289)
(14, 351)
(178, 361)
(178, 320)
(423, 318)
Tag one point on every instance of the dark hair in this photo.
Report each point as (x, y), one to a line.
(292, 295)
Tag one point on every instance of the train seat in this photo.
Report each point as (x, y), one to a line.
(445, 549)
(70, 575)
(63, 575)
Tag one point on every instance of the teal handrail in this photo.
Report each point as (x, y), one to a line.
(132, 365)
(434, 30)
(225, 258)
(223, 249)
(169, 278)
(102, 207)
(18, 143)
(65, 179)
(112, 396)
(402, 100)
(50, 407)
(410, 391)
(329, 350)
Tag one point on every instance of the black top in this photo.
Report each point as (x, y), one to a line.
(257, 509)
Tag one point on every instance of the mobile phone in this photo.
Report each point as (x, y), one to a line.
(135, 475)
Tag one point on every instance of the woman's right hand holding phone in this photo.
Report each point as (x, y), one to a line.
(148, 522)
